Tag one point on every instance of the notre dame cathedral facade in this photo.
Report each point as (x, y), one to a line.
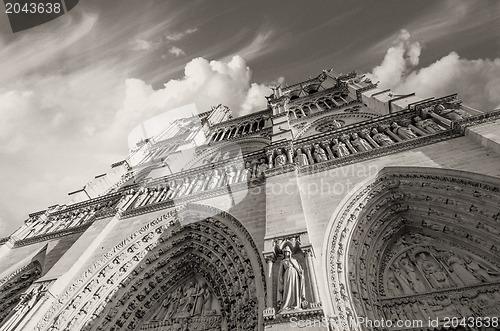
(341, 206)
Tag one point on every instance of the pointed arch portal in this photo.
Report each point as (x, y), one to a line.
(172, 274)
(416, 244)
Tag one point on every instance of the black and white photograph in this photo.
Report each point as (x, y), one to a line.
(249, 165)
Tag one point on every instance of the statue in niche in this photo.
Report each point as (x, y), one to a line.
(246, 174)
(291, 288)
(340, 148)
(360, 144)
(198, 186)
(319, 154)
(434, 272)
(231, 174)
(451, 114)
(301, 158)
(261, 167)
(184, 186)
(280, 159)
(381, 138)
(403, 132)
(214, 181)
(426, 125)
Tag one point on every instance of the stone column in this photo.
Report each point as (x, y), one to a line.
(345, 139)
(365, 133)
(270, 158)
(326, 144)
(308, 252)
(308, 153)
(289, 153)
(270, 259)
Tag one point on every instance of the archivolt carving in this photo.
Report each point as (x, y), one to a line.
(131, 283)
(410, 238)
(13, 286)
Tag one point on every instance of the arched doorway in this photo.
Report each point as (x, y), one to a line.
(416, 244)
(170, 275)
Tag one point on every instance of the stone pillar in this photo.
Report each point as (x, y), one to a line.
(345, 139)
(270, 158)
(365, 133)
(270, 259)
(308, 252)
(308, 153)
(289, 153)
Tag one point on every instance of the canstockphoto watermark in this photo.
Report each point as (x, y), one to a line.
(359, 322)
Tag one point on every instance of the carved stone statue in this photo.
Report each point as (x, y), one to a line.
(319, 154)
(280, 159)
(434, 272)
(340, 148)
(231, 174)
(403, 132)
(198, 186)
(457, 266)
(336, 124)
(427, 125)
(301, 158)
(451, 113)
(381, 138)
(291, 289)
(214, 181)
(259, 171)
(360, 144)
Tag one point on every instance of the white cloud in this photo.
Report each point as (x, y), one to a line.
(260, 45)
(176, 51)
(205, 83)
(176, 36)
(140, 45)
(477, 82)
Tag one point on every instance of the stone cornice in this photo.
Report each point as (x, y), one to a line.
(53, 235)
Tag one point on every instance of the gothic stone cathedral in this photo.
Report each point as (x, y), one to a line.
(341, 206)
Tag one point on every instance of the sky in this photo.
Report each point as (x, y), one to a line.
(72, 89)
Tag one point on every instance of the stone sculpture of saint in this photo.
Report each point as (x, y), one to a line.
(360, 144)
(214, 181)
(403, 132)
(319, 153)
(191, 294)
(427, 125)
(259, 172)
(451, 114)
(231, 175)
(413, 279)
(301, 158)
(381, 138)
(291, 290)
(340, 148)
(280, 159)
(198, 184)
